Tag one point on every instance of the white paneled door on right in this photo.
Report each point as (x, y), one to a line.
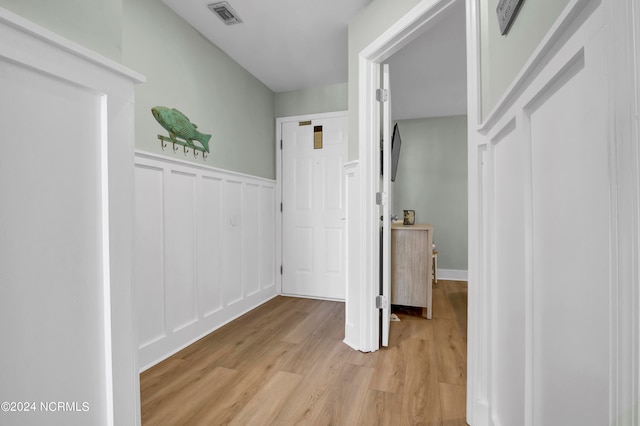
(313, 213)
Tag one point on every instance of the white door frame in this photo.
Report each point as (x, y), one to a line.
(418, 20)
(278, 142)
(623, 22)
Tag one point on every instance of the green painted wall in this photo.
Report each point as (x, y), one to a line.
(183, 70)
(432, 180)
(315, 100)
(364, 28)
(187, 72)
(95, 24)
(502, 57)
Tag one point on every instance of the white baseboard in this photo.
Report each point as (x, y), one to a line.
(452, 274)
(218, 320)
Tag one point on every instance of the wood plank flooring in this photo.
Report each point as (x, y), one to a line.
(284, 363)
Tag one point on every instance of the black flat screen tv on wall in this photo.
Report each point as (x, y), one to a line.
(395, 152)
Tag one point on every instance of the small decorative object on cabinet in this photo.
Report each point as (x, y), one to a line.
(411, 266)
(179, 126)
(409, 217)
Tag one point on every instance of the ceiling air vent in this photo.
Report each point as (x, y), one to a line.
(225, 12)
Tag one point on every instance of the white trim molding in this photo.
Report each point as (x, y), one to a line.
(354, 315)
(623, 18)
(453, 274)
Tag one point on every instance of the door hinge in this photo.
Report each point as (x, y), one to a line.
(382, 95)
(381, 302)
(280, 269)
(381, 198)
(280, 207)
(280, 143)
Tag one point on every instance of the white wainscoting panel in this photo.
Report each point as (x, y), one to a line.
(542, 330)
(209, 248)
(267, 237)
(232, 242)
(250, 243)
(570, 262)
(66, 229)
(149, 264)
(179, 249)
(509, 276)
(204, 251)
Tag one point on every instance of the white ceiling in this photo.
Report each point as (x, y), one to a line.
(299, 44)
(286, 44)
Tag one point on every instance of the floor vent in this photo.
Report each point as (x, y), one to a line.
(225, 12)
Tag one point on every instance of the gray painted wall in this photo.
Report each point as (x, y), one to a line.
(183, 70)
(432, 180)
(504, 56)
(187, 72)
(94, 24)
(315, 100)
(364, 28)
(179, 64)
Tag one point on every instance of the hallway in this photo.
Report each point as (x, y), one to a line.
(285, 363)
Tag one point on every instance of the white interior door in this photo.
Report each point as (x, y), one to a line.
(386, 207)
(313, 211)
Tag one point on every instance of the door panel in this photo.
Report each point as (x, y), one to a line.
(386, 206)
(313, 209)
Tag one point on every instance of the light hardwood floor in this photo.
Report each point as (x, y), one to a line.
(284, 363)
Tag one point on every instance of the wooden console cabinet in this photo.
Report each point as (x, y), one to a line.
(411, 267)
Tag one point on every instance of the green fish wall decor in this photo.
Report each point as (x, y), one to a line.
(179, 126)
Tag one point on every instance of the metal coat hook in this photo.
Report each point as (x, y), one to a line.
(186, 145)
(162, 144)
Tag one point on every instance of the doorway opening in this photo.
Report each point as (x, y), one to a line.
(420, 22)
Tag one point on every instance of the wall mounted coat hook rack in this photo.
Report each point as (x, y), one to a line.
(181, 131)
